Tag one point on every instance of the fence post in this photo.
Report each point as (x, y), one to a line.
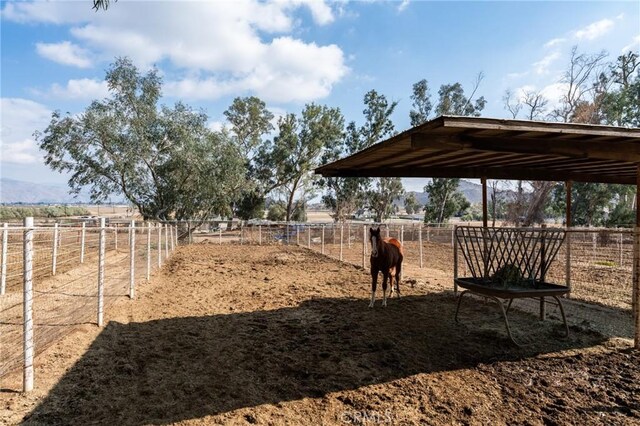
(166, 240)
(402, 234)
(28, 341)
(132, 256)
(349, 235)
(341, 235)
(190, 232)
(54, 255)
(176, 231)
(115, 237)
(620, 250)
(387, 230)
(455, 260)
(322, 239)
(5, 242)
(593, 247)
(82, 238)
(219, 235)
(171, 233)
(364, 246)
(148, 251)
(159, 245)
(567, 264)
(101, 247)
(297, 228)
(420, 244)
(309, 237)
(241, 233)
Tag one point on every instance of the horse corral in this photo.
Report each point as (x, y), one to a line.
(262, 334)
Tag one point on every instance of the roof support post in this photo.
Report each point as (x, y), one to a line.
(636, 267)
(484, 202)
(568, 187)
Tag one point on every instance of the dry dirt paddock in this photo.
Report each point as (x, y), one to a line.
(280, 335)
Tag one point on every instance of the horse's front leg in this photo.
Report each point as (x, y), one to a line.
(374, 284)
(385, 277)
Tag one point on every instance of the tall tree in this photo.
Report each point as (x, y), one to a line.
(250, 122)
(453, 101)
(444, 200)
(163, 160)
(421, 103)
(381, 200)
(297, 149)
(411, 204)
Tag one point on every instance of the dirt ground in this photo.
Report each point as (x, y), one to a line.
(281, 335)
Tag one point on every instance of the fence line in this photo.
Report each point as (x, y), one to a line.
(596, 263)
(56, 277)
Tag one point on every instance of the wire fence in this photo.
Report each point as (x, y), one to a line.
(597, 264)
(55, 278)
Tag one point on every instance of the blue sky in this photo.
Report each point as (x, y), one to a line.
(289, 53)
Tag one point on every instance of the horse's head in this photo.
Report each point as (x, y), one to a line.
(374, 238)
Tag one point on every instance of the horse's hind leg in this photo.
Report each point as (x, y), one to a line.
(385, 276)
(398, 277)
(391, 288)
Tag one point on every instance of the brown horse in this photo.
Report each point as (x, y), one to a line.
(386, 257)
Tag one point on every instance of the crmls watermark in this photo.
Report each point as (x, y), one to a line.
(366, 417)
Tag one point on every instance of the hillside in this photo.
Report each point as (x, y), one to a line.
(17, 191)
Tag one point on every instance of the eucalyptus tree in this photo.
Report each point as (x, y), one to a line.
(297, 149)
(164, 160)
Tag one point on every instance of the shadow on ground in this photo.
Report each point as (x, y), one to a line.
(175, 369)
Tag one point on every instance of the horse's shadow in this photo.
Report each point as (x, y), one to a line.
(175, 369)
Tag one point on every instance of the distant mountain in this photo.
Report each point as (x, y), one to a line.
(17, 191)
(471, 191)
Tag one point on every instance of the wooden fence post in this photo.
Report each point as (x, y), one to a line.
(402, 234)
(420, 244)
(28, 340)
(322, 239)
(132, 256)
(159, 245)
(54, 254)
(83, 233)
(219, 235)
(101, 249)
(5, 242)
(364, 246)
(341, 235)
(309, 237)
(171, 233)
(176, 231)
(148, 251)
(166, 240)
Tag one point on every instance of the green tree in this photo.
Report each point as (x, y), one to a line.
(298, 147)
(381, 200)
(444, 200)
(346, 195)
(411, 204)
(421, 103)
(453, 101)
(277, 211)
(163, 160)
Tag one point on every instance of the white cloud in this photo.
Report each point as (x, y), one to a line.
(65, 53)
(634, 45)
(20, 119)
(542, 66)
(84, 88)
(594, 30)
(554, 42)
(403, 5)
(554, 93)
(244, 48)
